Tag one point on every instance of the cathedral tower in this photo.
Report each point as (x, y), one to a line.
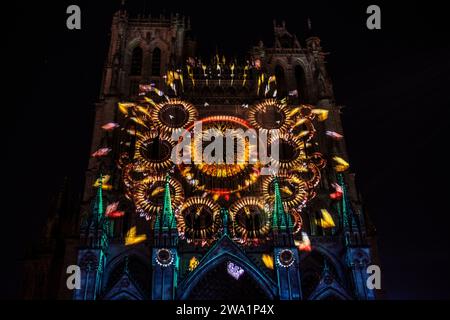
(154, 229)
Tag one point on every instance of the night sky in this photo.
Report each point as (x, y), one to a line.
(394, 84)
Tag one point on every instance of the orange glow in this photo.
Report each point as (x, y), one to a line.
(337, 195)
(305, 244)
(148, 100)
(268, 261)
(123, 107)
(116, 214)
(104, 182)
(321, 114)
(132, 239)
(326, 221)
(341, 164)
(222, 118)
(193, 263)
(112, 212)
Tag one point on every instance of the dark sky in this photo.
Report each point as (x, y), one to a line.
(394, 84)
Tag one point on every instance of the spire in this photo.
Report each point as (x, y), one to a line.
(99, 226)
(348, 216)
(276, 206)
(290, 222)
(224, 213)
(346, 208)
(99, 200)
(327, 275)
(167, 214)
(326, 268)
(125, 267)
(280, 218)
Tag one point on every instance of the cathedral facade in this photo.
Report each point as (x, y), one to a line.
(152, 229)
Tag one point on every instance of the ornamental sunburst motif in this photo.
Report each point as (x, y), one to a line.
(199, 190)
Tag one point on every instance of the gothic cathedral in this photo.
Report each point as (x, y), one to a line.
(151, 228)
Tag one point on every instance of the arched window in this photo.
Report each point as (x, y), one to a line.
(156, 62)
(218, 284)
(136, 62)
(138, 270)
(281, 81)
(300, 78)
(312, 266)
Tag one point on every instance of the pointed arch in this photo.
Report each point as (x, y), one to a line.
(226, 250)
(311, 269)
(334, 260)
(139, 271)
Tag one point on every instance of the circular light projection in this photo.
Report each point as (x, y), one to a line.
(303, 129)
(130, 178)
(154, 151)
(291, 151)
(164, 257)
(149, 194)
(220, 175)
(198, 219)
(293, 189)
(306, 111)
(286, 258)
(250, 218)
(318, 160)
(270, 114)
(309, 173)
(173, 115)
(296, 219)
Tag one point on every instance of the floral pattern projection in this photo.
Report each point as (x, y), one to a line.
(199, 190)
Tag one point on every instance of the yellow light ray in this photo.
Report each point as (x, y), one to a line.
(294, 112)
(341, 164)
(123, 107)
(103, 180)
(132, 239)
(326, 221)
(267, 259)
(300, 122)
(107, 187)
(139, 121)
(143, 110)
(286, 190)
(150, 101)
(321, 114)
(272, 79)
(157, 191)
(303, 134)
(193, 263)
